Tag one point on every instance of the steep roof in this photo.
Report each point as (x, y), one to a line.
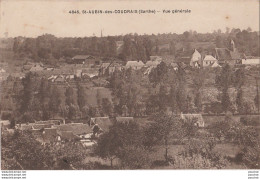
(214, 65)
(103, 122)
(223, 54)
(184, 56)
(196, 56)
(134, 64)
(209, 58)
(75, 128)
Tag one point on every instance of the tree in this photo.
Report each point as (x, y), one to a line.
(163, 98)
(158, 74)
(163, 129)
(223, 82)
(111, 47)
(27, 93)
(134, 157)
(107, 107)
(219, 129)
(72, 112)
(120, 138)
(219, 42)
(173, 99)
(69, 93)
(238, 80)
(81, 96)
(198, 83)
(25, 153)
(55, 100)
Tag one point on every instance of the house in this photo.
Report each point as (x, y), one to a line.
(174, 66)
(36, 67)
(184, 57)
(135, 65)
(85, 59)
(124, 119)
(60, 79)
(103, 123)
(77, 129)
(103, 68)
(91, 72)
(195, 59)
(5, 124)
(250, 60)
(196, 118)
(224, 55)
(209, 60)
(215, 65)
(156, 58)
(114, 66)
(152, 64)
(2, 70)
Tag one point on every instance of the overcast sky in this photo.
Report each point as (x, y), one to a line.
(34, 18)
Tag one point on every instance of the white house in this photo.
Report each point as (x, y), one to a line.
(251, 61)
(195, 59)
(135, 65)
(209, 60)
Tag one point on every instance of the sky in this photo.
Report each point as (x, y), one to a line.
(34, 18)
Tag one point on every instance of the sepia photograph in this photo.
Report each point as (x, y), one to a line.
(129, 85)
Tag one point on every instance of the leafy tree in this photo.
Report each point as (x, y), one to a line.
(163, 129)
(25, 153)
(134, 157)
(198, 83)
(69, 93)
(81, 96)
(223, 82)
(120, 138)
(107, 107)
(27, 93)
(158, 74)
(111, 46)
(219, 42)
(55, 100)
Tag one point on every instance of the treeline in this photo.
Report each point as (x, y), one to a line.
(35, 98)
(48, 48)
(166, 89)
